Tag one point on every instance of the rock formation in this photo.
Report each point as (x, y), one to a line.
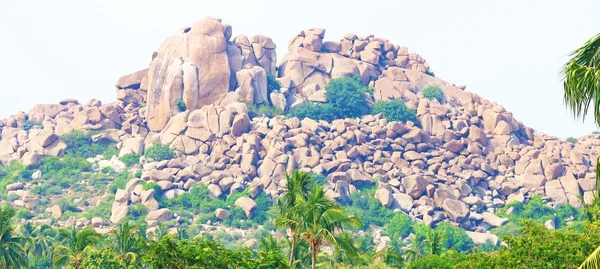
(465, 157)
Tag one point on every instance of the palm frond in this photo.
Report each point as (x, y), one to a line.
(592, 261)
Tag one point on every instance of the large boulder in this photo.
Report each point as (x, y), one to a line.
(193, 67)
(456, 210)
(246, 204)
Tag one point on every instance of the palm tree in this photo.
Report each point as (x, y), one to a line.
(416, 249)
(12, 253)
(391, 257)
(582, 90)
(74, 245)
(344, 252)
(296, 188)
(40, 240)
(321, 218)
(126, 244)
(434, 242)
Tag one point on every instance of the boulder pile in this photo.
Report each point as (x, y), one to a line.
(463, 159)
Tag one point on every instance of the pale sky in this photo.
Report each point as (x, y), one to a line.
(509, 52)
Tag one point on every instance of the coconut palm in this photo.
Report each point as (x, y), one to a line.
(40, 240)
(391, 257)
(434, 242)
(126, 244)
(416, 249)
(74, 245)
(344, 252)
(321, 218)
(12, 253)
(297, 187)
(582, 90)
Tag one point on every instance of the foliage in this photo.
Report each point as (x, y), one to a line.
(14, 172)
(12, 254)
(204, 253)
(581, 77)
(159, 152)
(180, 105)
(399, 226)
(28, 124)
(102, 259)
(272, 84)
(368, 209)
(130, 159)
(572, 140)
(433, 92)
(260, 110)
(538, 247)
(74, 245)
(395, 110)
(345, 99)
(311, 110)
(80, 144)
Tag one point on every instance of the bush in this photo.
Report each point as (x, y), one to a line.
(272, 84)
(159, 152)
(395, 110)
(28, 124)
(399, 226)
(346, 98)
(572, 140)
(311, 110)
(80, 144)
(433, 92)
(180, 104)
(259, 110)
(130, 159)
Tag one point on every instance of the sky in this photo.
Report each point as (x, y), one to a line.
(509, 52)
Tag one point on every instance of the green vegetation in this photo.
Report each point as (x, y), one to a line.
(395, 110)
(272, 84)
(159, 152)
(180, 105)
(572, 140)
(345, 99)
(29, 124)
(80, 144)
(433, 92)
(130, 159)
(260, 110)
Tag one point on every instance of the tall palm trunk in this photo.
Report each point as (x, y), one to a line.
(292, 250)
(314, 255)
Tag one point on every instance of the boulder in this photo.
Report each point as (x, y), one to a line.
(246, 204)
(456, 210)
(160, 215)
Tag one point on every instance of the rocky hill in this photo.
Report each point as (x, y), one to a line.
(463, 159)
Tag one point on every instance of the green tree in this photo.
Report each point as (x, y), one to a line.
(346, 97)
(40, 240)
(74, 245)
(288, 216)
(433, 92)
(395, 110)
(12, 253)
(321, 217)
(102, 259)
(126, 243)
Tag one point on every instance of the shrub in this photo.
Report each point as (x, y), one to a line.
(272, 84)
(399, 226)
(433, 92)
(595, 132)
(258, 110)
(28, 124)
(346, 98)
(130, 159)
(80, 144)
(312, 110)
(120, 181)
(159, 152)
(180, 104)
(572, 140)
(395, 110)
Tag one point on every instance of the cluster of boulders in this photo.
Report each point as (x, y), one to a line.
(464, 158)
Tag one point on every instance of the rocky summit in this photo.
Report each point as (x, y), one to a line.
(459, 162)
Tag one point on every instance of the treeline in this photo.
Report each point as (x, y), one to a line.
(312, 233)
